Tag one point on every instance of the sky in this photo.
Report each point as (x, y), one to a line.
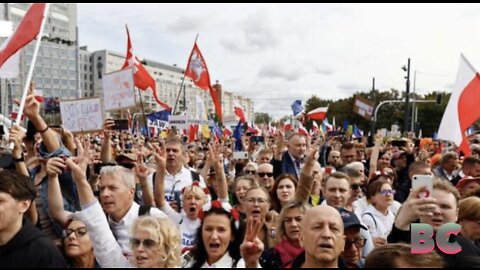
(276, 54)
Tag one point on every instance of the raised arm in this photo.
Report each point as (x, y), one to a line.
(32, 112)
(216, 160)
(141, 171)
(375, 153)
(78, 168)
(159, 186)
(305, 183)
(17, 136)
(106, 153)
(55, 166)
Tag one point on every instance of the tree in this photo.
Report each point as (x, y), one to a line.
(262, 118)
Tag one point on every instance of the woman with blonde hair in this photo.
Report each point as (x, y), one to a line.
(287, 246)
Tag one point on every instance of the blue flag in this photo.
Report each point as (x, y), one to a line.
(297, 107)
(237, 134)
(357, 133)
(345, 125)
(158, 119)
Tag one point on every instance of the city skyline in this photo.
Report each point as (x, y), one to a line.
(277, 54)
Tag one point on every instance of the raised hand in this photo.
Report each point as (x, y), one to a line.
(252, 247)
(108, 126)
(160, 155)
(55, 166)
(32, 105)
(140, 168)
(17, 135)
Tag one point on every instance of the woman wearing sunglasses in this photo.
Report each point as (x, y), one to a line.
(155, 242)
(378, 216)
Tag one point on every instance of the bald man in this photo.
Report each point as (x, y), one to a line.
(322, 238)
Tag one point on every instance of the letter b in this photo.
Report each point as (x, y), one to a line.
(421, 238)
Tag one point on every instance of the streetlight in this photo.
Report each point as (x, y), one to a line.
(407, 97)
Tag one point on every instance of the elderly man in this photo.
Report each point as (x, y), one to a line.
(292, 160)
(322, 238)
(264, 176)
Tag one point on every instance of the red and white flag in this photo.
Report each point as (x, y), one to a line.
(318, 113)
(26, 31)
(238, 110)
(227, 132)
(197, 70)
(142, 79)
(302, 130)
(462, 109)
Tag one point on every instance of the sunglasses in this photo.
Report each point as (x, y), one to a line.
(250, 172)
(79, 232)
(357, 186)
(147, 243)
(261, 174)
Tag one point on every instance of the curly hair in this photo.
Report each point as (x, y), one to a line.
(166, 234)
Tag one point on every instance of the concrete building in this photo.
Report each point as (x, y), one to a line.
(56, 69)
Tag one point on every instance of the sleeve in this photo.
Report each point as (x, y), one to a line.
(304, 187)
(172, 214)
(107, 251)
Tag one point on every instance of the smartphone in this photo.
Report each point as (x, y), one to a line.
(249, 134)
(399, 143)
(333, 133)
(419, 180)
(121, 124)
(370, 142)
(257, 139)
(31, 131)
(240, 155)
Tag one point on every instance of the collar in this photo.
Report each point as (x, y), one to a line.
(225, 261)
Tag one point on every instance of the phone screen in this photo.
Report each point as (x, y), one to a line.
(121, 124)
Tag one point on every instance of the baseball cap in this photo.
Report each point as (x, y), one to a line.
(350, 220)
(467, 180)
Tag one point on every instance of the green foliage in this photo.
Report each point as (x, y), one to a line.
(262, 118)
(429, 114)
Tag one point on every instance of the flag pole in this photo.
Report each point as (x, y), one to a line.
(144, 117)
(181, 85)
(30, 70)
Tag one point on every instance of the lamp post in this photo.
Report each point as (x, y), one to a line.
(407, 97)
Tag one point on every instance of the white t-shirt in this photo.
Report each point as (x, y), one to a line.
(188, 227)
(378, 224)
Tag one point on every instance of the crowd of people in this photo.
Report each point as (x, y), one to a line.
(117, 199)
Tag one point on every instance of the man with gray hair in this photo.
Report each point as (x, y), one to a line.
(117, 190)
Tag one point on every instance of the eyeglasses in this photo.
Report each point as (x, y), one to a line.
(358, 243)
(357, 186)
(387, 192)
(79, 232)
(257, 200)
(127, 165)
(262, 174)
(147, 243)
(250, 172)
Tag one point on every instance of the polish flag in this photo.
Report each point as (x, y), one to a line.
(227, 132)
(26, 31)
(462, 109)
(318, 113)
(287, 127)
(238, 110)
(141, 77)
(38, 94)
(302, 130)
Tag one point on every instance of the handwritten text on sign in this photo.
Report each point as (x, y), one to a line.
(118, 92)
(82, 115)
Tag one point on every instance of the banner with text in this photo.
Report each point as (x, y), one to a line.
(82, 115)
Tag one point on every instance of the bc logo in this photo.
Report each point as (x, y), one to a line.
(422, 242)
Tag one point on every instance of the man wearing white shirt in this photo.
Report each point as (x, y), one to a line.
(177, 176)
(117, 191)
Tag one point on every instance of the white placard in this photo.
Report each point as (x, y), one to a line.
(118, 90)
(82, 115)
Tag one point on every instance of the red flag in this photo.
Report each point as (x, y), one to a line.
(142, 79)
(238, 110)
(318, 113)
(26, 31)
(192, 134)
(197, 70)
(462, 109)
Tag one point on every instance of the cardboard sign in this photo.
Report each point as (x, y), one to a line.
(82, 115)
(118, 90)
(363, 107)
